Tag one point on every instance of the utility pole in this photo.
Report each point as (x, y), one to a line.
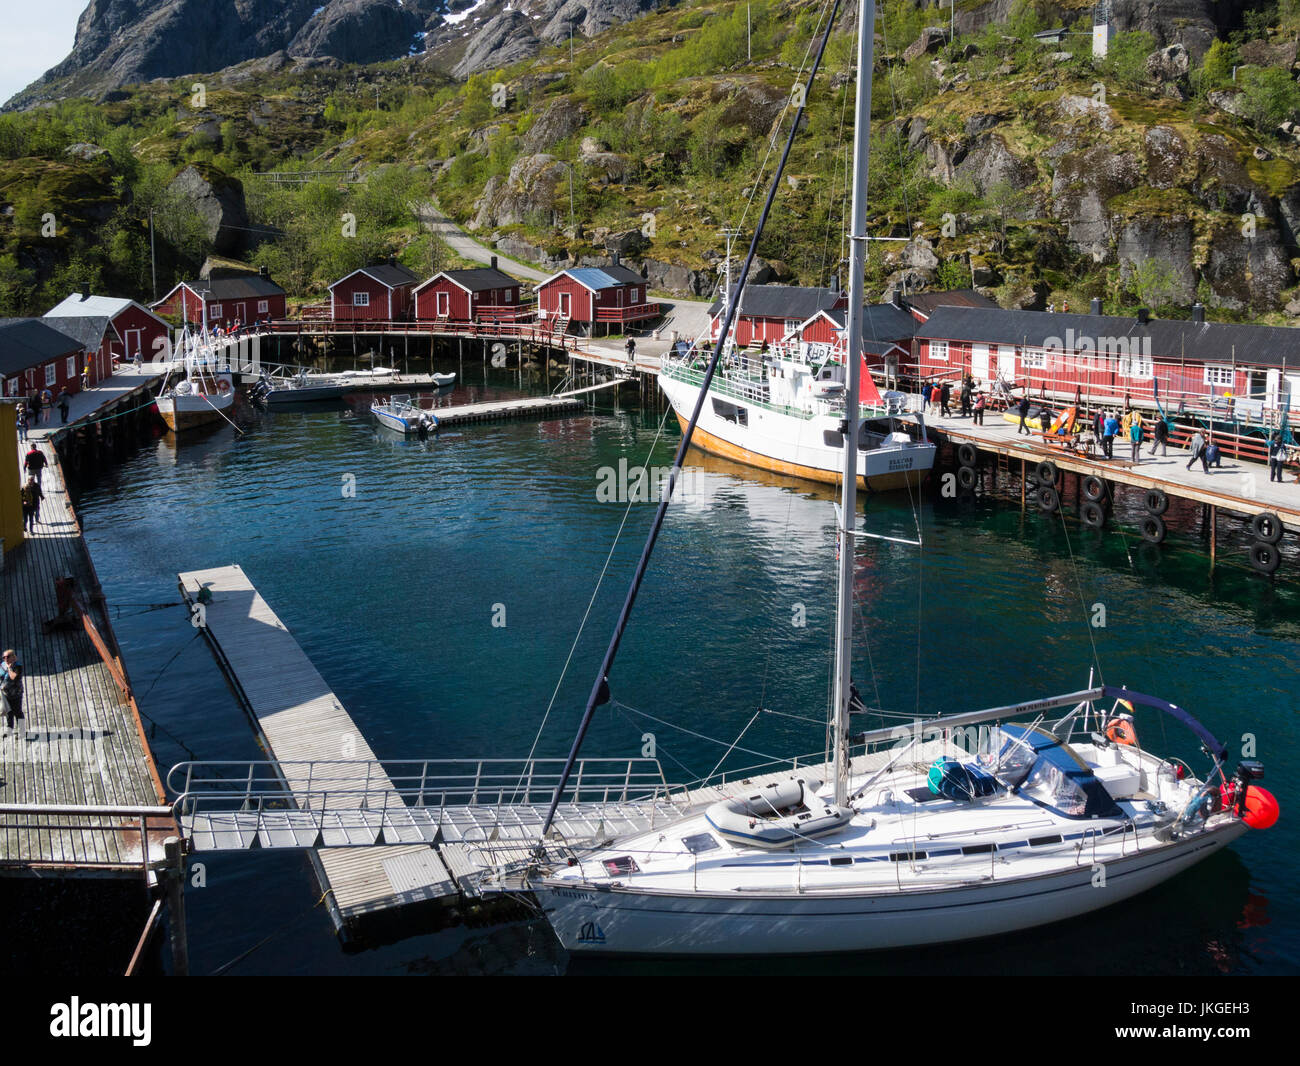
(749, 46)
(153, 261)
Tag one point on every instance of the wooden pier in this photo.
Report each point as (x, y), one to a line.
(82, 751)
(559, 405)
(301, 721)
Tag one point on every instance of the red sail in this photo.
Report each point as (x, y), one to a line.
(867, 391)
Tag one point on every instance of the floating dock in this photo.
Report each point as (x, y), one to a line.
(559, 405)
(82, 752)
(302, 723)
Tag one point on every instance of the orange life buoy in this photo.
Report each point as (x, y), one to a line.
(223, 386)
(1121, 731)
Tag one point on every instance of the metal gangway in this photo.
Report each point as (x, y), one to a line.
(492, 807)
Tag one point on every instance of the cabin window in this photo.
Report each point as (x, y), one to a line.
(624, 864)
(51, 374)
(361, 299)
(507, 296)
(1034, 359)
(731, 412)
(263, 307)
(72, 367)
(939, 351)
(1218, 375)
(11, 386)
(1257, 384)
(1131, 366)
(700, 842)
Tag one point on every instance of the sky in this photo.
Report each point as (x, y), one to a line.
(36, 36)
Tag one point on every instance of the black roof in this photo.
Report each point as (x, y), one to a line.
(29, 342)
(881, 322)
(391, 275)
(782, 301)
(87, 330)
(478, 279)
(928, 302)
(245, 287)
(1169, 340)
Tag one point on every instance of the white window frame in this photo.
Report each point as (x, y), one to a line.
(361, 299)
(51, 374)
(1033, 359)
(507, 296)
(215, 311)
(1221, 376)
(1135, 366)
(11, 386)
(939, 351)
(263, 307)
(72, 368)
(442, 305)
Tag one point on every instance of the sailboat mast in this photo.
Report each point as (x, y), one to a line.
(849, 486)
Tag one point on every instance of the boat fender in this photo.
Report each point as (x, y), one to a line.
(1153, 529)
(1265, 557)
(1047, 473)
(1262, 808)
(1048, 498)
(966, 477)
(1157, 503)
(1093, 514)
(1267, 527)
(966, 454)
(223, 386)
(1094, 488)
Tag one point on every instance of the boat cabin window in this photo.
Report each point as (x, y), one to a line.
(731, 412)
(624, 864)
(700, 842)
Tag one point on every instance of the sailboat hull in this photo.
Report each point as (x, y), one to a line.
(189, 412)
(796, 446)
(622, 920)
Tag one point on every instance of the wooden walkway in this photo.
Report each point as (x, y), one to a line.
(1238, 485)
(127, 384)
(565, 403)
(301, 721)
(83, 742)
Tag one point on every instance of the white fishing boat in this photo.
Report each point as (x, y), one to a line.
(198, 390)
(959, 827)
(300, 388)
(400, 414)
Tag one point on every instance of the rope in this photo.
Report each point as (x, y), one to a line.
(220, 970)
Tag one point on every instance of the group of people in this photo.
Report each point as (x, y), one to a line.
(30, 493)
(936, 396)
(39, 407)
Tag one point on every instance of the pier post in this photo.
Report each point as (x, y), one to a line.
(1214, 529)
(174, 880)
(1022, 486)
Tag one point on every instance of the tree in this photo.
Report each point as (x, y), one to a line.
(1152, 282)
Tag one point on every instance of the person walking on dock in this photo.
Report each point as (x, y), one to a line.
(85, 376)
(11, 689)
(1024, 413)
(967, 388)
(64, 404)
(47, 405)
(631, 351)
(979, 409)
(926, 389)
(1197, 448)
(21, 414)
(1110, 428)
(945, 394)
(31, 496)
(1160, 436)
(34, 463)
(1135, 436)
(1276, 453)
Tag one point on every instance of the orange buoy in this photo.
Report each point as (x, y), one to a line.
(1120, 731)
(1262, 809)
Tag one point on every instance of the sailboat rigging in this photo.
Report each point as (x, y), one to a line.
(974, 825)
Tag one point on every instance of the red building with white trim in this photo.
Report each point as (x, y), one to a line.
(380, 293)
(483, 294)
(244, 298)
(771, 313)
(613, 295)
(138, 331)
(35, 355)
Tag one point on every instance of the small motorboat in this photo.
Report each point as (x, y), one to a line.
(400, 414)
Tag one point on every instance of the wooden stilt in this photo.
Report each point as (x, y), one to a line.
(1214, 530)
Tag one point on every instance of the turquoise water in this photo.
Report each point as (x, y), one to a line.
(392, 593)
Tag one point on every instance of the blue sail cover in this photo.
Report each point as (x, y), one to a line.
(1216, 749)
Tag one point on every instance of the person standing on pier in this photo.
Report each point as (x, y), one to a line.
(11, 688)
(979, 409)
(945, 394)
(1024, 413)
(1197, 448)
(64, 404)
(31, 496)
(85, 376)
(631, 351)
(967, 388)
(34, 463)
(1276, 453)
(21, 414)
(1135, 436)
(926, 389)
(47, 405)
(1160, 436)
(1110, 429)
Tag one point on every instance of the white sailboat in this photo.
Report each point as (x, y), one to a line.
(204, 394)
(969, 826)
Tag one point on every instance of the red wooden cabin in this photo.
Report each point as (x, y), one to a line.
(771, 313)
(380, 293)
(138, 330)
(35, 355)
(245, 298)
(483, 294)
(612, 295)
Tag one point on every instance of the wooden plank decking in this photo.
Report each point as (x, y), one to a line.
(83, 743)
(302, 721)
